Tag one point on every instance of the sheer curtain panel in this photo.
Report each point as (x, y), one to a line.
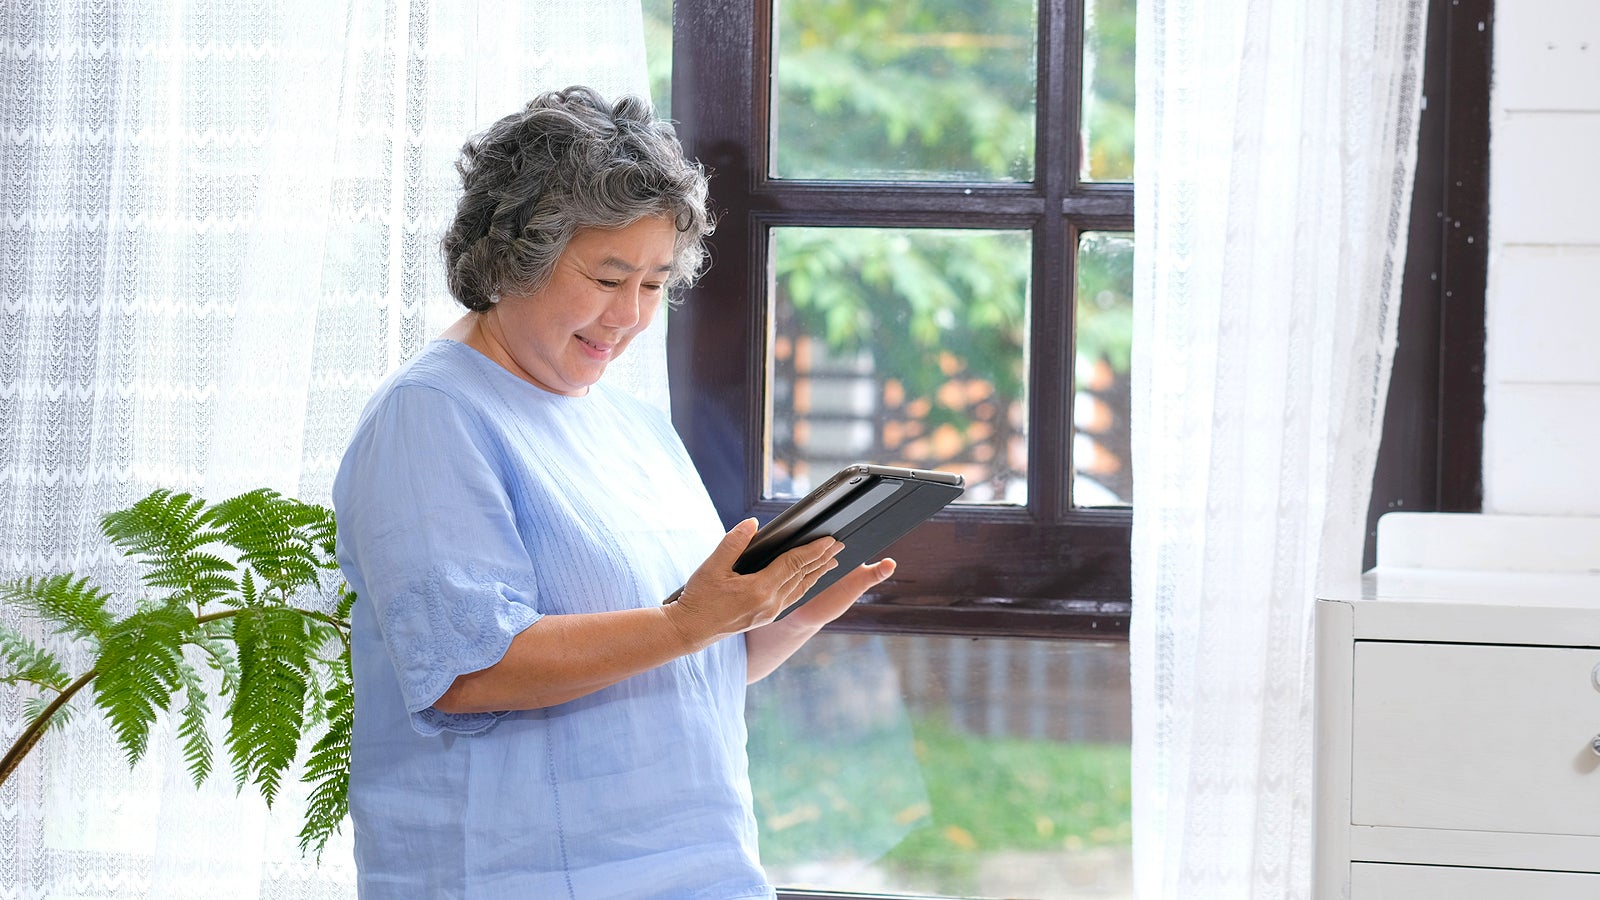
(219, 223)
(1276, 150)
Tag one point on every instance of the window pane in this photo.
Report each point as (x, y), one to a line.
(1108, 31)
(921, 90)
(658, 53)
(900, 347)
(1101, 449)
(945, 766)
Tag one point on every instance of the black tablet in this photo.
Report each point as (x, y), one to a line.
(867, 507)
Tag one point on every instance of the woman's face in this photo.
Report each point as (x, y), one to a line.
(604, 290)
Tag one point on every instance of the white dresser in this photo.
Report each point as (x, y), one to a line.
(1458, 714)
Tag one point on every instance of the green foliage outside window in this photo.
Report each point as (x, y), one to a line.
(939, 90)
(1109, 89)
(933, 89)
(1105, 315)
(959, 799)
(908, 297)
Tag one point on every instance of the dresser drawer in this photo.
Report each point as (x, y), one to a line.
(1370, 881)
(1475, 737)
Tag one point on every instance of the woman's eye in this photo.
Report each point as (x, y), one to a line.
(653, 288)
(609, 285)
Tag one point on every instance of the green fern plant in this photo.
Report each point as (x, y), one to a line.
(224, 580)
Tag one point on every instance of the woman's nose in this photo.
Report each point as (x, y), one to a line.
(623, 312)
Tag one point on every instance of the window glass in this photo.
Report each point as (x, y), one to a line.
(923, 90)
(948, 766)
(658, 53)
(1101, 445)
(1107, 114)
(901, 347)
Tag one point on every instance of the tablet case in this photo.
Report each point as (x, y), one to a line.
(867, 507)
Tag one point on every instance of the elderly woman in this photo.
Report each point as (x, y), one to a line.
(532, 720)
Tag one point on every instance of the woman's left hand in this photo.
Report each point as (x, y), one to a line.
(831, 603)
(768, 646)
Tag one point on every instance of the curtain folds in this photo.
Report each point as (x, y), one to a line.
(218, 231)
(1276, 152)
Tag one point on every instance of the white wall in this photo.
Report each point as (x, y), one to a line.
(1542, 375)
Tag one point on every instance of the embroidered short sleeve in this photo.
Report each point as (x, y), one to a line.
(455, 619)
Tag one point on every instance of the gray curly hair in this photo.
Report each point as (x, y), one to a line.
(566, 161)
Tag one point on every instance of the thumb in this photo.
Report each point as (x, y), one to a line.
(865, 577)
(732, 544)
(879, 572)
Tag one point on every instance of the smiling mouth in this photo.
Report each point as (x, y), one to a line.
(597, 347)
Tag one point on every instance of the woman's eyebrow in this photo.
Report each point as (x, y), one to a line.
(622, 265)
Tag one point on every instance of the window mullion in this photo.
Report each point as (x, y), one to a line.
(1051, 349)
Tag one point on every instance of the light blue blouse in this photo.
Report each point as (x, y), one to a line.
(471, 503)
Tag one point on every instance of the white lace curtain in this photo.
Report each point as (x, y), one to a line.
(219, 231)
(1276, 151)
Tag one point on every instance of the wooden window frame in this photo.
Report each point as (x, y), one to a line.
(1044, 569)
(1049, 569)
(1432, 453)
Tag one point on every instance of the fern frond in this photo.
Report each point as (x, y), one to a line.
(347, 602)
(267, 714)
(25, 661)
(197, 574)
(213, 639)
(327, 678)
(34, 707)
(328, 768)
(274, 537)
(165, 531)
(73, 605)
(138, 667)
(327, 639)
(192, 727)
(248, 595)
(323, 532)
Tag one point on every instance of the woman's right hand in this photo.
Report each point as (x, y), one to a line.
(718, 601)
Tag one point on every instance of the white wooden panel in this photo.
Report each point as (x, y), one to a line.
(1370, 881)
(1547, 54)
(1331, 759)
(1544, 320)
(1479, 623)
(1482, 542)
(1541, 449)
(1476, 849)
(1475, 737)
(1543, 188)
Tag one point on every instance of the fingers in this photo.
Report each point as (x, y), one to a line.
(808, 556)
(717, 600)
(842, 594)
(801, 567)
